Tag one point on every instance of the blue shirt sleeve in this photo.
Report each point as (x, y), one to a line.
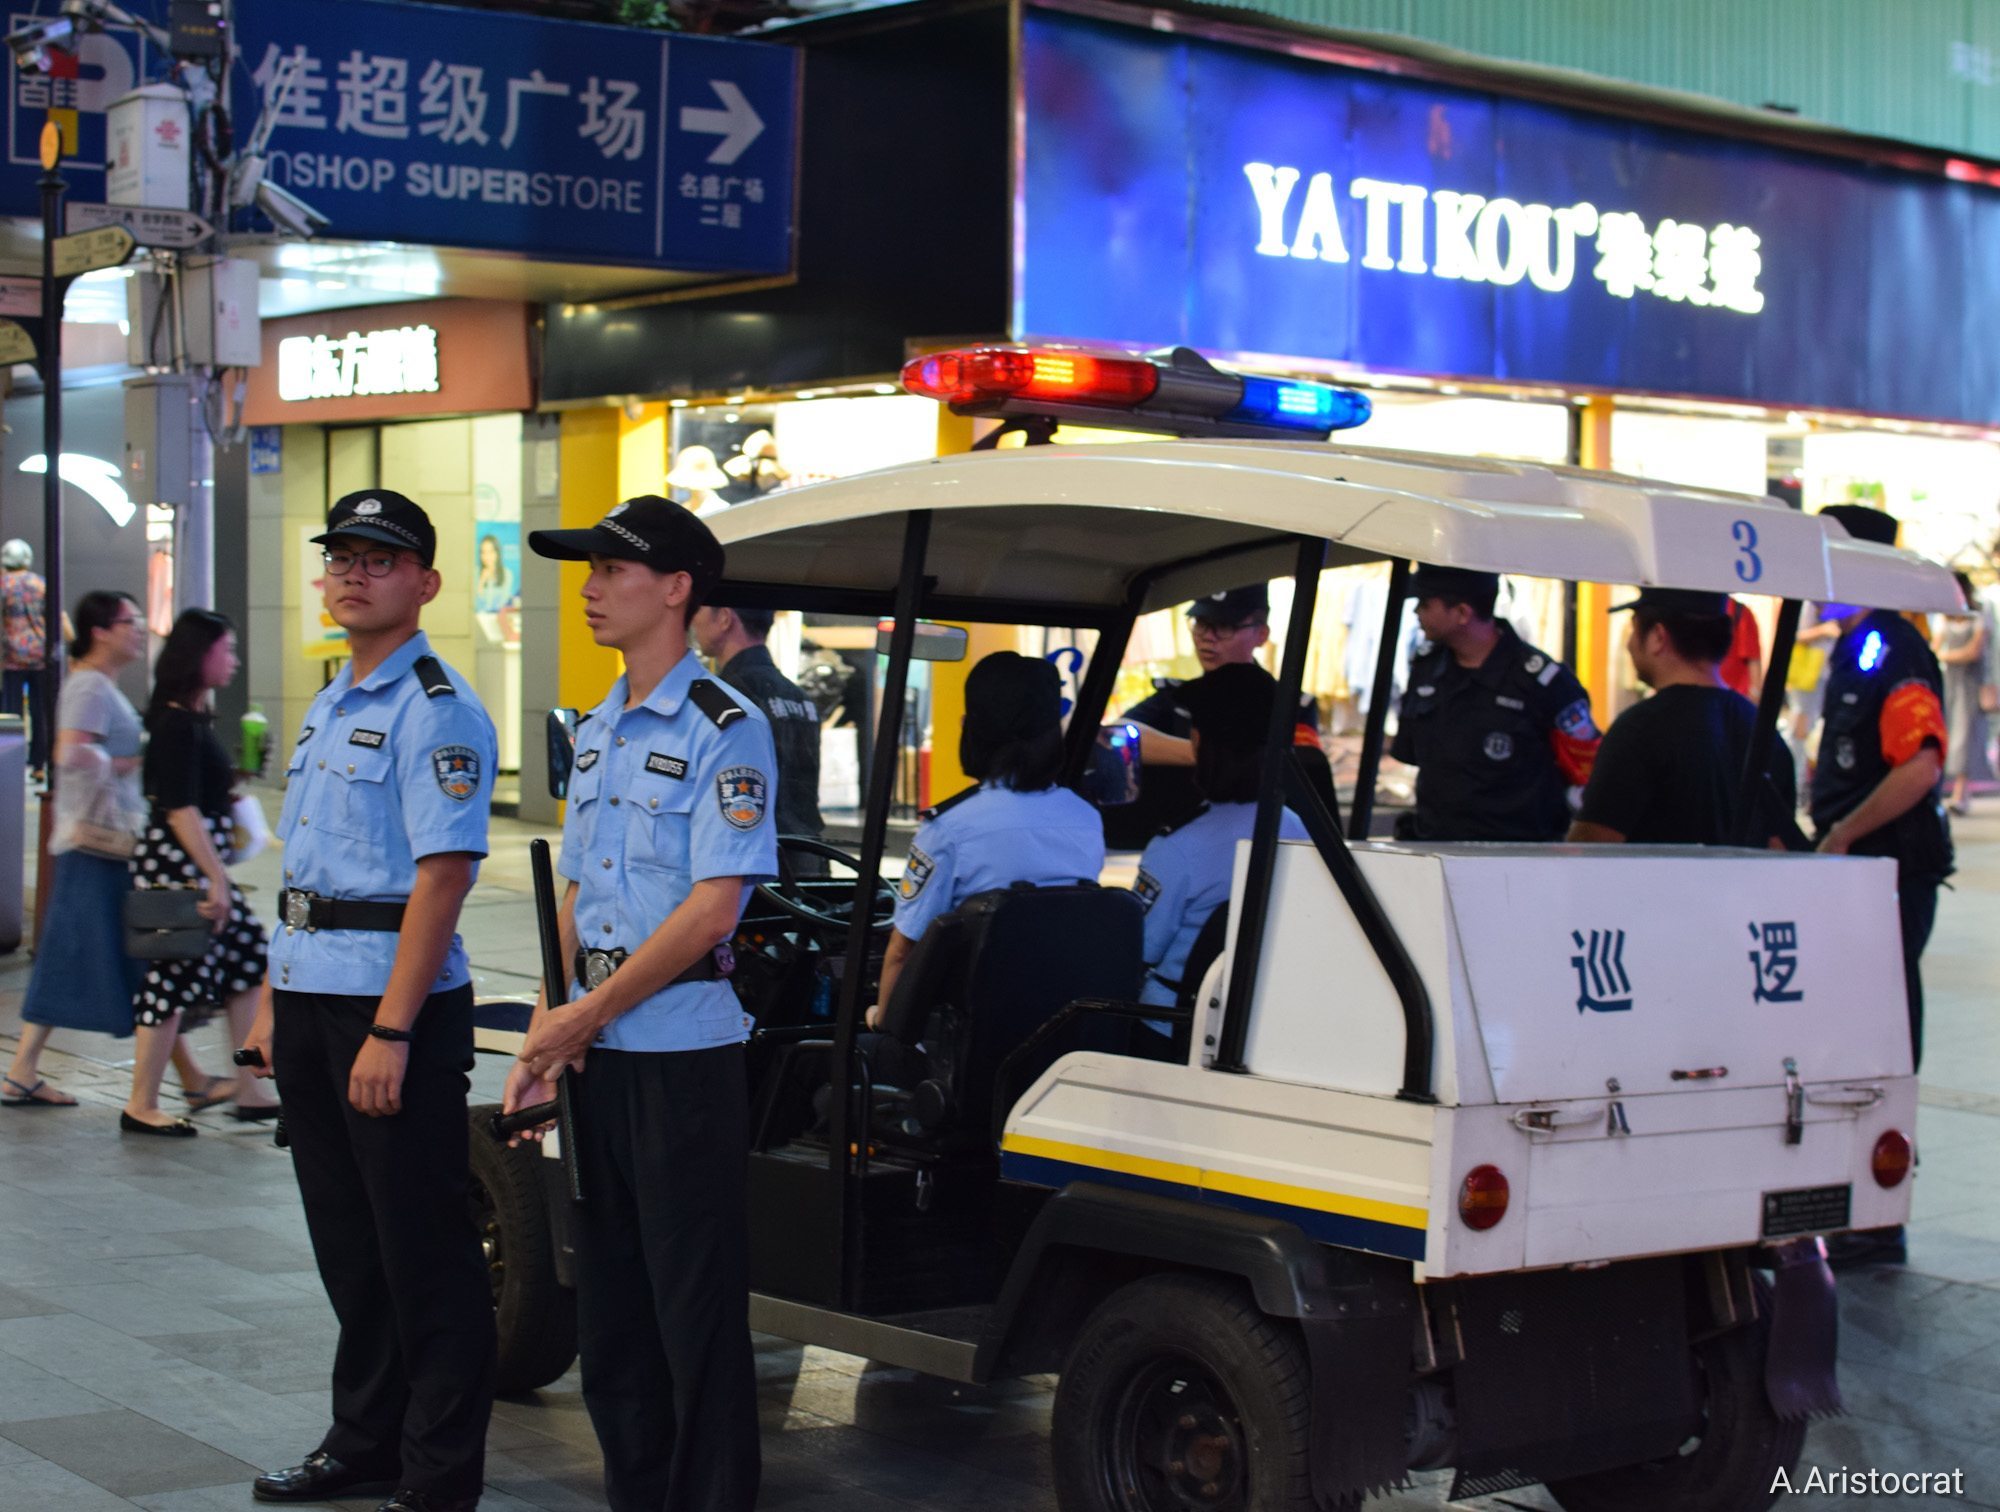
(926, 889)
(445, 759)
(732, 832)
(1162, 886)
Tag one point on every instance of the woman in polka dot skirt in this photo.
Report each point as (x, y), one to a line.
(189, 783)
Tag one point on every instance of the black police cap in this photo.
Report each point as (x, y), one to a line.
(1011, 697)
(1231, 705)
(384, 516)
(650, 530)
(1235, 607)
(1455, 585)
(1863, 523)
(1678, 603)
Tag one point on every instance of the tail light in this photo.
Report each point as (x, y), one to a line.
(1482, 1197)
(1891, 1161)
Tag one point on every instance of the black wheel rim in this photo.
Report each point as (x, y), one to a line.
(492, 1249)
(1175, 1441)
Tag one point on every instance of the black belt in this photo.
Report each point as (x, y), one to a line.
(594, 967)
(304, 910)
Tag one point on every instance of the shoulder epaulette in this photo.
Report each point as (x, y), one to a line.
(708, 697)
(950, 803)
(430, 672)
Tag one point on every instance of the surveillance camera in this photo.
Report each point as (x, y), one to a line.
(288, 212)
(34, 43)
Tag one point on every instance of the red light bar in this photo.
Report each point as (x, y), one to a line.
(987, 375)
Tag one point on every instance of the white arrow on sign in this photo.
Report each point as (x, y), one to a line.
(178, 229)
(736, 123)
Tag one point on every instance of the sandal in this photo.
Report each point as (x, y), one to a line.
(208, 1096)
(19, 1096)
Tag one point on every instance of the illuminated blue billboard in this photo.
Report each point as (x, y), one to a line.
(1253, 204)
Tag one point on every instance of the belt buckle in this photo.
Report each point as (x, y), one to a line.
(597, 968)
(298, 910)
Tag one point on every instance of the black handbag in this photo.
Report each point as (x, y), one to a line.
(165, 924)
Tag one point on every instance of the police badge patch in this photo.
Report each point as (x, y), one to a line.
(916, 872)
(1499, 746)
(741, 793)
(585, 760)
(1147, 886)
(457, 770)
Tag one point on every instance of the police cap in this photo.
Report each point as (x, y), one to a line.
(1011, 697)
(1231, 706)
(1678, 603)
(1455, 585)
(385, 516)
(653, 531)
(1863, 523)
(1234, 608)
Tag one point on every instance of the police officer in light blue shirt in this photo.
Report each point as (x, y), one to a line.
(669, 826)
(368, 1026)
(1016, 826)
(1186, 871)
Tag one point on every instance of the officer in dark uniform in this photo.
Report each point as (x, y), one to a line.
(1881, 756)
(1227, 630)
(367, 1021)
(1497, 730)
(668, 827)
(733, 640)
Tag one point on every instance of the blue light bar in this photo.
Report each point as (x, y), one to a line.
(1306, 407)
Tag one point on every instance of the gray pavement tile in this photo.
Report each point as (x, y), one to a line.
(125, 1453)
(251, 1249)
(1931, 1403)
(138, 1309)
(72, 1347)
(39, 1483)
(214, 1281)
(253, 1357)
(27, 1392)
(19, 1304)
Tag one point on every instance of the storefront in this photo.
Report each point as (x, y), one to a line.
(431, 399)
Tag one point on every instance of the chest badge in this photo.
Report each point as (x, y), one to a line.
(742, 794)
(1844, 755)
(1499, 746)
(457, 770)
(371, 738)
(585, 760)
(675, 767)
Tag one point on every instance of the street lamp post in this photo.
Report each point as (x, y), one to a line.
(52, 186)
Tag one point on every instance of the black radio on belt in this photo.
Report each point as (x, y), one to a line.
(309, 911)
(595, 967)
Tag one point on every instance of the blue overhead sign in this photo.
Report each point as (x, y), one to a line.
(554, 140)
(1259, 204)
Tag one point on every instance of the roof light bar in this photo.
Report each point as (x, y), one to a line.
(1178, 391)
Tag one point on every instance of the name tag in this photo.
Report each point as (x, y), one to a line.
(1509, 703)
(371, 738)
(675, 767)
(585, 760)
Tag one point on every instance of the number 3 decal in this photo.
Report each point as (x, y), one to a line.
(1751, 566)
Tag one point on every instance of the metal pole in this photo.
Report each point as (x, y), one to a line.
(52, 186)
(1770, 709)
(1361, 811)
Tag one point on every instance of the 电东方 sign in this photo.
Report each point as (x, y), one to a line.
(361, 364)
(1177, 190)
(547, 139)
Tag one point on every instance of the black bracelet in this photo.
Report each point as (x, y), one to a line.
(383, 1031)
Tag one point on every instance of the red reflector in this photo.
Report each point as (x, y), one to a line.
(989, 374)
(1891, 1161)
(1482, 1197)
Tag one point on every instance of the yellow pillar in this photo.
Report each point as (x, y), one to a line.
(606, 456)
(1593, 600)
(948, 678)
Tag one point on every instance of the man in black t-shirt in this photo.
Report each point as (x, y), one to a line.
(1669, 768)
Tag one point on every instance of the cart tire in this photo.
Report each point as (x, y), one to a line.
(1733, 1466)
(534, 1312)
(1178, 1393)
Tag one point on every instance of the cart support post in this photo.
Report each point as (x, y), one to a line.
(1770, 709)
(1361, 808)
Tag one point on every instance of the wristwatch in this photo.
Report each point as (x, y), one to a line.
(383, 1031)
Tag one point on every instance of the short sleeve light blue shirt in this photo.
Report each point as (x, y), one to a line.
(1184, 876)
(661, 797)
(995, 837)
(386, 771)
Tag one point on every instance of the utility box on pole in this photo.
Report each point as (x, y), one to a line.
(150, 149)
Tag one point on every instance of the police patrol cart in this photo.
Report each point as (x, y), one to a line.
(1507, 1158)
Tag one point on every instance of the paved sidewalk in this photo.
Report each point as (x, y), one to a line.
(163, 1334)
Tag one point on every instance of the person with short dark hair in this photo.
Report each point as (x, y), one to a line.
(1497, 729)
(1186, 871)
(1016, 825)
(733, 641)
(1670, 766)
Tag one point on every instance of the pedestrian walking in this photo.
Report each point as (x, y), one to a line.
(82, 978)
(186, 843)
(367, 1023)
(669, 823)
(1960, 646)
(24, 648)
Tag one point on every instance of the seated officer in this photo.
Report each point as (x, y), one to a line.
(1670, 766)
(1185, 874)
(1015, 826)
(1497, 730)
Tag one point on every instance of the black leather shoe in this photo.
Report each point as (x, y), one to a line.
(320, 1478)
(425, 1501)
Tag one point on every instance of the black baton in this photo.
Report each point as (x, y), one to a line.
(555, 984)
(251, 1057)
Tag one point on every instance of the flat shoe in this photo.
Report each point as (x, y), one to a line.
(19, 1096)
(256, 1112)
(180, 1128)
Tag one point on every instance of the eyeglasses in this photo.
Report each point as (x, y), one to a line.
(377, 564)
(1200, 629)
(130, 619)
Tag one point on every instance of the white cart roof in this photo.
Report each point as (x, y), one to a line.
(1078, 525)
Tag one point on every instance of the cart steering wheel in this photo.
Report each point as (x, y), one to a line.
(786, 894)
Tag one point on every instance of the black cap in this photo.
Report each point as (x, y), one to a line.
(1236, 607)
(1455, 585)
(382, 514)
(1232, 705)
(1863, 523)
(1011, 697)
(1679, 603)
(648, 529)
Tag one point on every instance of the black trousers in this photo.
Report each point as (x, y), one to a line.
(386, 1201)
(663, 1286)
(25, 690)
(1917, 903)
